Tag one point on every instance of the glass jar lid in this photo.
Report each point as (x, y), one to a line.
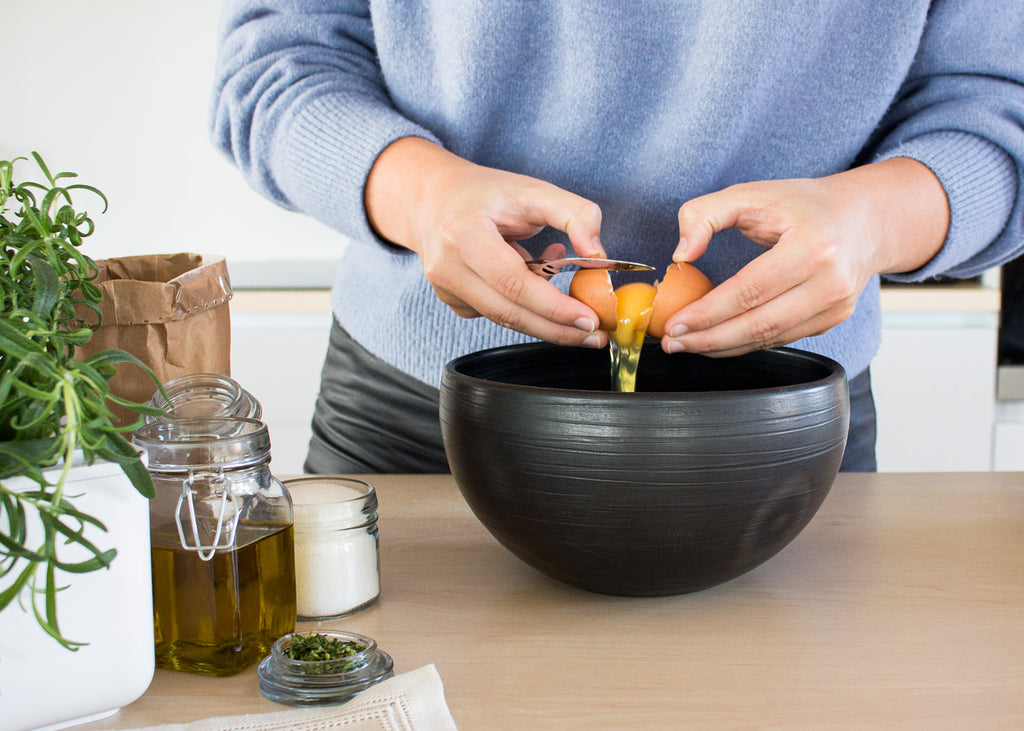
(311, 682)
(188, 445)
(204, 395)
(331, 503)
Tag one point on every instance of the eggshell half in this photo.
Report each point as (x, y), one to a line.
(593, 287)
(683, 284)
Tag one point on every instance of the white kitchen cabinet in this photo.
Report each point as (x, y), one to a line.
(278, 342)
(934, 379)
(1008, 447)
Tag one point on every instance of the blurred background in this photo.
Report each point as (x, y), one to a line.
(119, 92)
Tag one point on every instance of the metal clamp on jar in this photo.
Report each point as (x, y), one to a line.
(222, 544)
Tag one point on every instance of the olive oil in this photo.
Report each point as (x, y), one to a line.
(217, 617)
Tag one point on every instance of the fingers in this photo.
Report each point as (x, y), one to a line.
(552, 251)
(700, 219)
(480, 274)
(577, 217)
(781, 296)
(476, 266)
(781, 321)
(817, 262)
(583, 227)
(753, 208)
(464, 226)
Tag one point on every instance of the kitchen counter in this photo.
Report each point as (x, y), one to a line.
(901, 604)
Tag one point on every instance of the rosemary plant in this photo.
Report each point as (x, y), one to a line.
(54, 408)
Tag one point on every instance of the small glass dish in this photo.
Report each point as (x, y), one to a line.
(319, 682)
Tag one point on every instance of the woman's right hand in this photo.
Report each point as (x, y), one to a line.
(465, 221)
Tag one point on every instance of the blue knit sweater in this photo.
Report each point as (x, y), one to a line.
(636, 106)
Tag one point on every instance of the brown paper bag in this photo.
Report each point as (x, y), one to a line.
(168, 310)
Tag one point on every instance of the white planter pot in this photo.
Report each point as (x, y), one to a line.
(43, 685)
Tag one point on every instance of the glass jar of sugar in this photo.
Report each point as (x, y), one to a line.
(337, 569)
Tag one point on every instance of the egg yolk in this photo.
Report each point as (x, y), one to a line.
(633, 308)
(631, 311)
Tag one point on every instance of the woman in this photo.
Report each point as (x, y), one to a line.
(793, 151)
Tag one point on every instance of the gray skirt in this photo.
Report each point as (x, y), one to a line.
(372, 418)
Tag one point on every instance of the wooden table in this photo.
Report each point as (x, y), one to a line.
(901, 604)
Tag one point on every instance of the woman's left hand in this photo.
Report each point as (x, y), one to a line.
(826, 237)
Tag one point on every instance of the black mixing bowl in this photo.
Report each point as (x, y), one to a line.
(708, 470)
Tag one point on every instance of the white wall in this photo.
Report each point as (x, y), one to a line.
(118, 91)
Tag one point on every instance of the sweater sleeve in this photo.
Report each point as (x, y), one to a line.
(961, 113)
(300, 105)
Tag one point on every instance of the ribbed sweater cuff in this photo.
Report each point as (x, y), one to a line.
(980, 181)
(326, 154)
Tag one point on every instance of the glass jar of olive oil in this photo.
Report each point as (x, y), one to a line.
(222, 544)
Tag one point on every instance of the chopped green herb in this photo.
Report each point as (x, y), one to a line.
(315, 647)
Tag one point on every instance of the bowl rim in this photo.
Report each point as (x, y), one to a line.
(836, 371)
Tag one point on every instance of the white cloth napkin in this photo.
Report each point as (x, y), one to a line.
(412, 701)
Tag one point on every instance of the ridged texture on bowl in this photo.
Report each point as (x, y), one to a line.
(711, 468)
